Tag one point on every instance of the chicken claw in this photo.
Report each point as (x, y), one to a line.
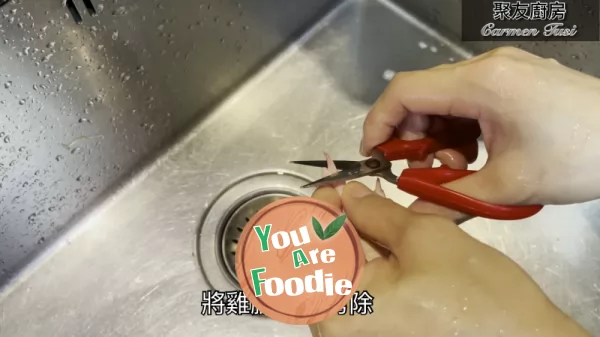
(331, 169)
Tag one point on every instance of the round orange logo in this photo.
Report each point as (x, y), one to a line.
(299, 260)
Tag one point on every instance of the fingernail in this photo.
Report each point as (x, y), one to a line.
(358, 190)
(361, 150)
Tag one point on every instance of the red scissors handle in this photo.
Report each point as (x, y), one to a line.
(425, 183)
(464, 141)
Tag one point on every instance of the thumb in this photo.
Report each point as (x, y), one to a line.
(490, 184)
(379, 219)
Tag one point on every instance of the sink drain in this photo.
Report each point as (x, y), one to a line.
(225, 219)
(235, 224)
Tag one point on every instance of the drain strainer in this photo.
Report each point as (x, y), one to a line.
(235, 224)
(225, 219)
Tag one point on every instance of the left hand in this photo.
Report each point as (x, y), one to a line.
(436, 280)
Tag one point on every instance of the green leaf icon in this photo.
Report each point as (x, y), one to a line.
(318, 229)
(334, 227)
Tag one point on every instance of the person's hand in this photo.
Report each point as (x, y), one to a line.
(540, 123)
(437, 281)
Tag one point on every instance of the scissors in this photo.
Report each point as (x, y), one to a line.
(425, 183)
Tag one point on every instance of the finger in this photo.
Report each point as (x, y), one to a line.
(493, 184)
(453, 129)
(378, 219)
(486, 185)
(424, 207)
(412, 128)
(372, 250)
(440, 91)
(329, 195)
(452, 158)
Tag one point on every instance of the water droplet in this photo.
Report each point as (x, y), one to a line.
(388, 74)
(41, 240)
(422, 45)
(115, 35)
(22, 101)
(46, 58)
(7, 84)
(50, 44)
(120, 11)
(7, 139)
(59, 157)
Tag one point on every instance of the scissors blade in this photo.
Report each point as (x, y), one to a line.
(359, 170)
(336, 177)
(340, 164)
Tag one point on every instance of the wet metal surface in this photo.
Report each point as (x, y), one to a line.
(445, 15)
(83, 104)
(128, 268)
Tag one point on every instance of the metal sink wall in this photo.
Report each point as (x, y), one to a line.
(128, 266)
(82, 105)
(445, 15)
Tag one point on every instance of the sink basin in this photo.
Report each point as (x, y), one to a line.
(137, 258)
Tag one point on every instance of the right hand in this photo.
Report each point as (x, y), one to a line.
(540, 123)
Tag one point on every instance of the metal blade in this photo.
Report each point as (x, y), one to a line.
(337, 177)
(340, 164)
(356, 172)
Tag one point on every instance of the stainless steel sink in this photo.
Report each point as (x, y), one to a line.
(134, 136)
